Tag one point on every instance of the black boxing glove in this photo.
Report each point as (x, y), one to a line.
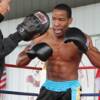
(78, 37)
(33, 25)
(32, 53)
(42, 50)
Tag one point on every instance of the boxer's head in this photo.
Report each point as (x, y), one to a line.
(61, 19)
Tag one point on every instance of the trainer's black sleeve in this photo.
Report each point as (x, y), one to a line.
(8, 44)
(1, 17)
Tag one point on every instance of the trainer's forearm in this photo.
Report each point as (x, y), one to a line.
(7, 45)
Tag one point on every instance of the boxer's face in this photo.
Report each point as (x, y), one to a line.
(60, 21)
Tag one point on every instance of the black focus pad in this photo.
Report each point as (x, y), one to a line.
(34, 24)
(44, 21)
(78, 37)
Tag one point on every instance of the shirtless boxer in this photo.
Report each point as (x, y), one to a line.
(62, 59)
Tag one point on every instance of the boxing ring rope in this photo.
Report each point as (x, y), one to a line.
(39, 68)
(36, 94)
(24, 67)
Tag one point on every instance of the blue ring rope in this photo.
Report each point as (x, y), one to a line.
(18, 93)
(90, 94)
(35, 94)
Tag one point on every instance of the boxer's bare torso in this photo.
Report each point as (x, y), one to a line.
(64, 62)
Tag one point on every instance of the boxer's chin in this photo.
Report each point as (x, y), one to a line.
(58, 33)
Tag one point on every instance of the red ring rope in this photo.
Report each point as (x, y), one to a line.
(39, 68)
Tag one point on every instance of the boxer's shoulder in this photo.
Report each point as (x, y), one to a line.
(42, 38)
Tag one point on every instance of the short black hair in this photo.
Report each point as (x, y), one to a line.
(65, 7)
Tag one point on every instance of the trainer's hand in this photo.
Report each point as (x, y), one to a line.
(4, 6)
(78, 37)
(33, 25)
(42, 50)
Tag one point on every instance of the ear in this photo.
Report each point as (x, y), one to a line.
(70, 20)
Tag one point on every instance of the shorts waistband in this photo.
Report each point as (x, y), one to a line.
(61, 86)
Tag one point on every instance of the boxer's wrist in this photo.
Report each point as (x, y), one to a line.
(91, 49)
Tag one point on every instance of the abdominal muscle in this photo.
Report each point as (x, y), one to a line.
(62, 71)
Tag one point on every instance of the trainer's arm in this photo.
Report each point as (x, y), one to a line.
(7, 45)
(31, 27)
(93, 54)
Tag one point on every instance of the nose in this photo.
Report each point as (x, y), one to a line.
(56, 23)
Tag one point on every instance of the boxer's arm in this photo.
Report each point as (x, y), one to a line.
(93, 53)
(23, 58)
(27, 55)
(84, 43)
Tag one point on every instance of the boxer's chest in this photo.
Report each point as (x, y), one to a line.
(64, 51)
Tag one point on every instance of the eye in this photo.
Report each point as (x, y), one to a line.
(62, 19)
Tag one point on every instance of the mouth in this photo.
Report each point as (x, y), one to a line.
(58, 31)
